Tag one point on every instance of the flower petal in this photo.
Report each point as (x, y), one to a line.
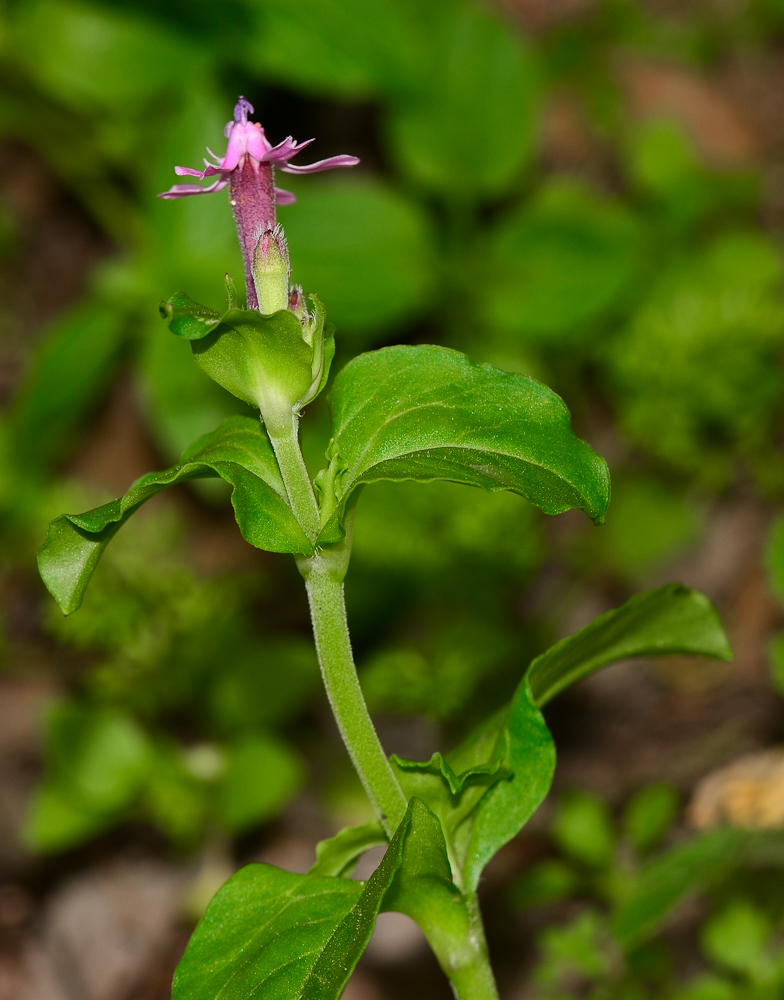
(188, 172)
(328, 164)
(284, 150)
(283, 197)
(182, 190)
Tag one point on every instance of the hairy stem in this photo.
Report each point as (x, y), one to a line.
(285, 443)
(324, 583)
(464, 959)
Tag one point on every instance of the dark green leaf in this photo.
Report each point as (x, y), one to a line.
(238, 451)
(666, 881)
(339, 854)
(428, 413)
(71, 372)
(469, 131)
(562, 261)
(93, 58)
(262, 935)
(662, 622)
(346, 47)
(365, 248)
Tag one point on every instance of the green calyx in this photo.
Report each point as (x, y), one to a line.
(277, 362)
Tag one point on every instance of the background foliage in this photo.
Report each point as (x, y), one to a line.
(562, 195)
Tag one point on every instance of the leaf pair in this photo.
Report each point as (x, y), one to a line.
(278, 934)
(485, 790)
(419, 413)
(283, 936)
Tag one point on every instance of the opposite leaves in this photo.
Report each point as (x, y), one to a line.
(273, 934)
(429, 413)
(238, 451)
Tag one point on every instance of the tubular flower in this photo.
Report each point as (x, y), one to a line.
(248, 170)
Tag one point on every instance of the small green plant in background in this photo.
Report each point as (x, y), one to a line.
(581, 282)
(628, 879)
(418, 413)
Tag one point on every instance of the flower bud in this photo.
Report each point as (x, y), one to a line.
(271, 271)
(297, 303)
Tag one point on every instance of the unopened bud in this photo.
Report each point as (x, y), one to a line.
(297, 303)
(271, 271)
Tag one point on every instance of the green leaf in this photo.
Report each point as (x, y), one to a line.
(413, 877)
(261, 775)
(667, 880)
(94, 58)
(662, 622)
(527, 750)
(97, 761)
(561, 262)
(238, 451)
(262, 934)
(72, 369)
(339, 854)
(364, 248)
(737, 938)
(582, 828)
(252, 356)
(649, 814)
(468, 131)
(451, 796)
(347, 48)
(428, 413)
(298, 937)
(423, 887)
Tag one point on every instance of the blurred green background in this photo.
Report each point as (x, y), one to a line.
(588, 191)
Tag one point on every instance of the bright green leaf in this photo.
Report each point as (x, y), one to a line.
(428, 413)
(662, 622)
(339, 854)
(238, 451)
(262, 934)
(582, 828)
(737, 938)
(298, 937)
(527, 750)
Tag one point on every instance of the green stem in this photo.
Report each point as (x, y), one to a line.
(463, 957)
(324, 581)
(285, 443)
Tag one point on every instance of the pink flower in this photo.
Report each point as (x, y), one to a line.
(248, 169)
